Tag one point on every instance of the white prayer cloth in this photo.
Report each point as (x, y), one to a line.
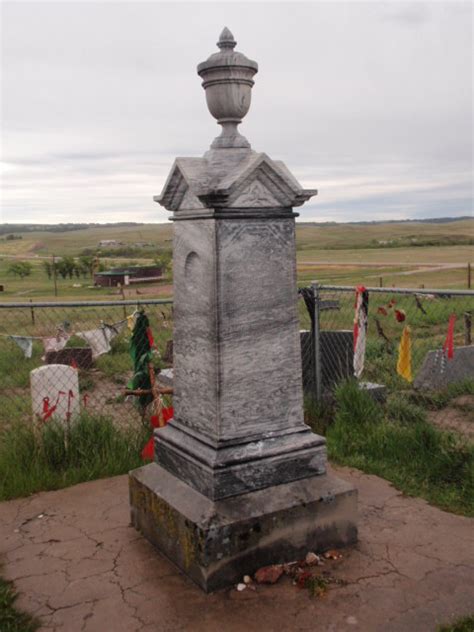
(56, 343)
(360, 329)
(99, 339)
(25, 344)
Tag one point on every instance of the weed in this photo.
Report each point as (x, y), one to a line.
(318, 415)
(11, 619)
(317, 586)
(53, 457)
(400, 408)
(466, 624)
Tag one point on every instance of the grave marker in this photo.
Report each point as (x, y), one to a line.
(239, 480)
(55, 393)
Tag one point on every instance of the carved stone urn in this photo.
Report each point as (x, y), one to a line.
(227, 80)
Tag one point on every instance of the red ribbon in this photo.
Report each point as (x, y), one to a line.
(148, 451)
(150, 337)
(449, 342)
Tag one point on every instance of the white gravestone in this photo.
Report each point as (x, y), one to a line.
(55, 393)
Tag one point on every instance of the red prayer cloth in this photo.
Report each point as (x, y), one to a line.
(148, 451)
(449, 342)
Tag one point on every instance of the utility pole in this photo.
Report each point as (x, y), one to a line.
(54, 277)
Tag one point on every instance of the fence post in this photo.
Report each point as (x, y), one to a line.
(468, 276)
(316, 340)
(32, 312)
(467, 328)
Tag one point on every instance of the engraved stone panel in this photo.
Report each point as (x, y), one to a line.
(261, 387)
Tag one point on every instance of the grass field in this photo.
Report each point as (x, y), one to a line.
(345, 254)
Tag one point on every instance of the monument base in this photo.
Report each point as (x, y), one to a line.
(215, 543)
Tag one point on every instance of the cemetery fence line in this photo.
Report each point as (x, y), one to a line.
(326, 325)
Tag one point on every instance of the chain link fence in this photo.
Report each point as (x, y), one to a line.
(327, 315)
(62, 359)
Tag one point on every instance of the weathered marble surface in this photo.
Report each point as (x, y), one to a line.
(216, 543)
(237, 360)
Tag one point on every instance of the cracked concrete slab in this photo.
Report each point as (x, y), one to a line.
(79, 566)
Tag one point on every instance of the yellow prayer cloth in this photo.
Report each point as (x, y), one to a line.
(404, 355)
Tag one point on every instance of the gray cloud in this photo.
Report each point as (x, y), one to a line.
(371, 103)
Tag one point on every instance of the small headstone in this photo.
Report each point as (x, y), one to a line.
(438, 371)
(79, 356)
(55, 393)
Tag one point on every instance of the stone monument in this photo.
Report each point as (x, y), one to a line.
(239, 480)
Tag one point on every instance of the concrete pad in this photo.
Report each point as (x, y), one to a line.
(81, 566)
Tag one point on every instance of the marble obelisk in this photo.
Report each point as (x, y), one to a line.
(238, 479)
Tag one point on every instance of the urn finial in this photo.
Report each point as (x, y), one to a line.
(226, 39)
(227, 80)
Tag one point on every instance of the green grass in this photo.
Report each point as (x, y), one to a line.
(397, 443)
(52, 458)
(11, 619)
(466, 624)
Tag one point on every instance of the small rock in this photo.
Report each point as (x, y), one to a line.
(332, 554)
(311, 559)
(247, 579)
(269, 574)
(241, 587)
(351, 620)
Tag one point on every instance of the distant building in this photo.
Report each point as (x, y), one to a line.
(109, 243)
(128, 276)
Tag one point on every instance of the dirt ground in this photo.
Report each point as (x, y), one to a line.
(457, 417)
(79, 566)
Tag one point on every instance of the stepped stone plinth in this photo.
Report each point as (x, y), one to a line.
(239, 480)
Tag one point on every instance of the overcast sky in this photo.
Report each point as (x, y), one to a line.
(370, 103)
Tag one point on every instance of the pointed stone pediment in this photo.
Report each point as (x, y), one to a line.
(180, 188)
(219, 181)
(261, 185)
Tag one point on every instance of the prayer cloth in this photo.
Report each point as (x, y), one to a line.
(361, 312)
(55, 343)
(448, 346)
(25, 344)
(99, 339)
(404, 355)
